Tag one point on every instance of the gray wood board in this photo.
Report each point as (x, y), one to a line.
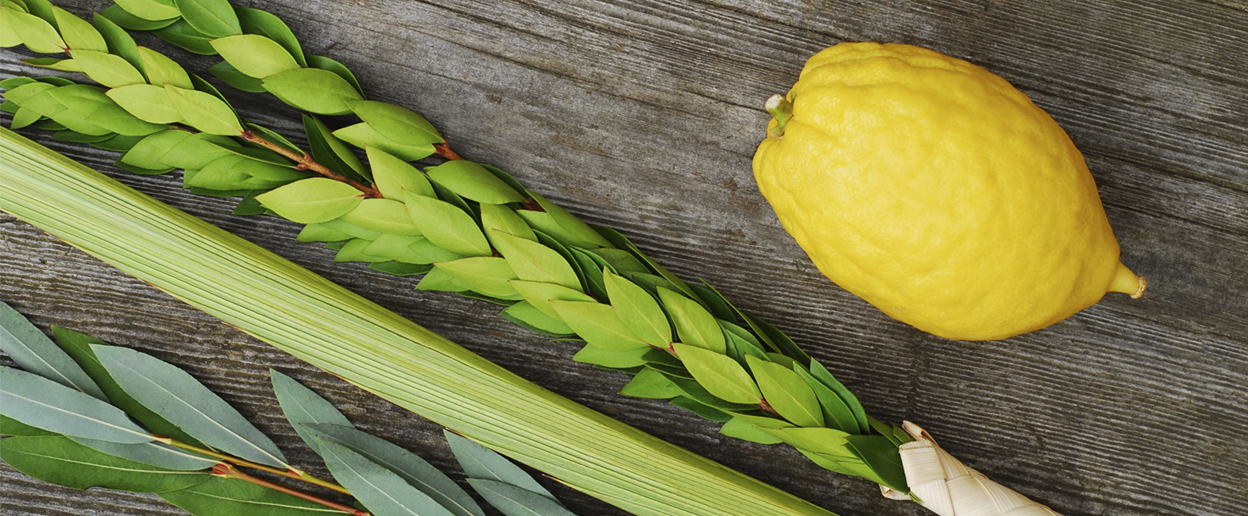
(644, 116)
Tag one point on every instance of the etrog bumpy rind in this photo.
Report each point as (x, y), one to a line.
(937, 192)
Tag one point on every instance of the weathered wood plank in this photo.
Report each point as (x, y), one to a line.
(643, 116)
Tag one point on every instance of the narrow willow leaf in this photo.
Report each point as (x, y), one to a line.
(483, 463)
(312, 200)
(255, 21)
(62, 461)
(227, 497)
(786, 392)
(13, 427)
(652, 384)
(303, 407)
(107, 69)
(383, 215)
(125, 20)
(313, 90)
(525, 314)
(153, 454)
(741, 429)
(535, 262)
(447, 226)
(328, 64)
(397, 123)
(598, 324)
(36, 33)
(204, 111)
(723, 377)
(639, 311)
(150, 103)
(485, 274)
(35, 352)
(255, 55)
(472, 181)
(540, 294)
(410, 468)
(393, 176)
(382, 491)
(182, 400)
(821, 373)
(503, 219)
(78, 33)
(151, 10)
(362, 135)
(42, 403)
(161, 70)
(836, 414)
(400, 268)
(182, 34)
(701, 410)
(694, 324)
(515, 501)
(214, 18)
(883, 457)
(328, 150)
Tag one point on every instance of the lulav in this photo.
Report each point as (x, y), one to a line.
(470, 228)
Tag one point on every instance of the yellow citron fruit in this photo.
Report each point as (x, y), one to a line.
(937, 192)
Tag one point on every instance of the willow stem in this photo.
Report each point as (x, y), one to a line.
(444, 150)
(290, 473)
(305, 162)
(224, 470)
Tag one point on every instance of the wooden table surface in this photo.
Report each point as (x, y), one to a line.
(643, 115)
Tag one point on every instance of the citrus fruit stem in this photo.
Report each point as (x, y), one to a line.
(781, 110)
(1127, 282)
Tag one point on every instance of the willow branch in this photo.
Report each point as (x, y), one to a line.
(224, 470)
(290, 473)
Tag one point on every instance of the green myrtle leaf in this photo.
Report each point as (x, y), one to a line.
(815, 440)
(117, 40)
(140, 170)
(397, 123)
(313, 90)
(118, 143)
(312, 200)
(472, 181)
(515, 501)
(304, 407)
(504, 177)
(204, 111)
(663, 360)
(107, 69)
(153, 454)
(36, 33)
(182, 34)
(619, 240)
(526, 315)
(228, 497)
(480, 462)
(36, 353)
(52, 63)
(540, 294)
(787, 393)
(355, 251)
(574, 232)
(741, 429)
(215, 18)
(147, 102)
(400, 268)
(393, 175)
(836, 414)
(821, 373)
(439, 281)
(782, 342)
(321, 233)
(78, 33)
(149, 151)
(714, 301)
(485, 274)
(14, 82)
(23, 118)
(741, 342)
(248, 205)
(22, 94)
(720, 375)
(383, 215)
(91, 104)
(651, 384)
(701, 410)
(255, 55)
(612, 359)
(598, 324)
(230, 75)
(382, 491)
(261, 155)
(362, 135)
(221, 174)
(161, 70)
(639, 310)
(8, 36)
(446, 226)
(694, 324)
(151, 10)
(328, 150)
(255, 21)
(62, 461)
(535, 262)
(182, 400)
(351, 229)
(415, 471)
(428, 252)
(325, 63)
(396, 247)
(274, 137)
(496, 218)
(197, 151)
(122, 18)
(591, 269)
(70, 136)
(883, 457)
(45, 404)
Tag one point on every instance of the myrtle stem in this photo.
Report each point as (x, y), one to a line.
(224, 470)
(444, 150)
(305, 162)
(290, 473)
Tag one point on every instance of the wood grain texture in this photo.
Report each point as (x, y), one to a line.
(644, 115)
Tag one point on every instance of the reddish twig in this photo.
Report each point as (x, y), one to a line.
(305, 162)
(443, 150)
